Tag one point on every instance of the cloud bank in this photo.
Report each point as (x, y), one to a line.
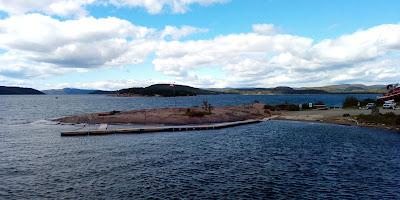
(36, 45)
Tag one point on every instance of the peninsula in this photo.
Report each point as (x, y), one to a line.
(174, 116)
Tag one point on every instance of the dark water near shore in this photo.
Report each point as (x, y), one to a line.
(274, 159)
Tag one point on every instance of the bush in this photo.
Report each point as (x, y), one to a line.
(346, 115)
(350, 102)
(207, 107)
(196, 113)
(388, 118)
(288, 107)
(269, 107)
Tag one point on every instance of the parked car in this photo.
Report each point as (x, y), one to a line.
(370, 106)
(389, 104)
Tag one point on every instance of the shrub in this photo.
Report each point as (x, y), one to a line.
(350, 101)
(196, 113)
(288, 107)
(346, 115)
(207, 107)
(388, 118)
(269, 107)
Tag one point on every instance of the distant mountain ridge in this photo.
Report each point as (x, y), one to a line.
(333, 89)
(182, 90)
(5, 90)
(352, 88)
(276, 90)
(74, 91)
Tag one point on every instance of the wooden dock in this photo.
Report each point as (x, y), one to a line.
(154, 129)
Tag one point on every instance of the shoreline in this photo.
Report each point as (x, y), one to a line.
(335, 116)
(200, 118)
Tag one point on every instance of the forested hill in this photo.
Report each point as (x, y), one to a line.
(165, 90)
(4, 90)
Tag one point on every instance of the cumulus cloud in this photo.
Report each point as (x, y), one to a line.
(265, 29)
(109, 85)
(157, 6)
(36, 42)
(37, 45)
(264, 59)
(176, 33)
(51, 7)
(67, 8)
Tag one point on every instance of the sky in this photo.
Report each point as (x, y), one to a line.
(115, 44)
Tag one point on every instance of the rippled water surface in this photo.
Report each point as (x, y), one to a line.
(274, 159)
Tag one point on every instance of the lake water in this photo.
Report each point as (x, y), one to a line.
(274, 159)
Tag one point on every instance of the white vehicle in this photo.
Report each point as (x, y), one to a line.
(389, 104)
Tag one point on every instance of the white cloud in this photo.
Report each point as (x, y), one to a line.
(40, 42)
(110, 85)
(265, 29)
(67, 8)
(176, 33)
(52, 7)
(157, 6)
(36, 45)
(264, 59)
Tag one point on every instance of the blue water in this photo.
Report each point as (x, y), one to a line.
(270, 160)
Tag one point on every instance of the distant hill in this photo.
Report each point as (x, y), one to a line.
(335, 89)
(74, 91)
(165, 90)
(352, 88)
(276, 90)
(67, 91)
(18, 91)
(102, 92)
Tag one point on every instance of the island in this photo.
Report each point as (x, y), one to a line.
(164, 90)
(4, 90)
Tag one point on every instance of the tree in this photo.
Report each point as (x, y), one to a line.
(207, 106)
(350, 101)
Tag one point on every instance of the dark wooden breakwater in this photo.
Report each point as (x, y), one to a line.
(154, 129)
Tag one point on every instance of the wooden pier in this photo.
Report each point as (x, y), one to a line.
(149, 129)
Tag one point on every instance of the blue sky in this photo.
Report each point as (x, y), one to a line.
(205, 43)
